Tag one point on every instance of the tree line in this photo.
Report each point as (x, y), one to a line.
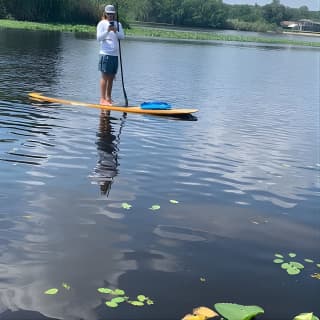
(190, 13)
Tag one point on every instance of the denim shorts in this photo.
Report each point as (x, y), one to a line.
(108, 64)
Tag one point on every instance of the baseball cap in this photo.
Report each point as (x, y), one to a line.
(110, 9)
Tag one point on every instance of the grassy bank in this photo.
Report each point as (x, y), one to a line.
(156, 33)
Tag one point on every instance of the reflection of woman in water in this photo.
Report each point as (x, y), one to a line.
(107, 146)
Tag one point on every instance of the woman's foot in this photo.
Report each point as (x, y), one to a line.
(106, 102)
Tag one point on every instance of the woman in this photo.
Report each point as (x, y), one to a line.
(109, 32)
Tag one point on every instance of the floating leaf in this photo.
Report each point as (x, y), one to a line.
(193, 317)
(293, 271)
(155, 207)
(174, 201)
(105, 290)
(309, 260)
(126, 206)
(118, 292)
(141, 297)
(277, 260)
(292, 255)
(111, 304)
(66, 286)
(150, 302)
(285, 265)
(232, 311)
(278, 255)
(52, 291)
(306, 316)
(204, 311)
(316, 275)
(318, 265)
(203, 279)
(118, 299)
(296, 265)
(136, 303)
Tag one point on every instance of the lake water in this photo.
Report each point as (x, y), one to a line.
(245, 173)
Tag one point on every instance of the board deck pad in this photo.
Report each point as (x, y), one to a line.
(130, 109)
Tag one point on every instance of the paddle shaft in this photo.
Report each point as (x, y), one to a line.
(120, 58)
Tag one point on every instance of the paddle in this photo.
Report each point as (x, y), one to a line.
(121, 69)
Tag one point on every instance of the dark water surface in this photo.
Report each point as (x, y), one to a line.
(246, 175)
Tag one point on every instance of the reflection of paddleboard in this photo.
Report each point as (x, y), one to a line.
(167, 112)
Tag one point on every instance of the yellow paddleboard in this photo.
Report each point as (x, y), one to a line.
(170, 112)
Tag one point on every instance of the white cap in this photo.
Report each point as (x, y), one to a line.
(110, 9)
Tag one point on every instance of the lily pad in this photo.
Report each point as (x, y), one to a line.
(136, 303)
(155, 207)
(105, 290)
(293, 271)
(174, 201)
(296, 265)
(52, 291)
(318, 265)
(150, 302)
(278, 261)
(126, 206)
(111, 304)
(306, 316)
(278, 255)
(66, 286)
(309, 260)
(292, 255)
(118, 292)
(205, 312)
(118, 299)
(232, 311)
(141, 297)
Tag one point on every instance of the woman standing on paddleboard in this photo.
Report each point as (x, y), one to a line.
(109, 32)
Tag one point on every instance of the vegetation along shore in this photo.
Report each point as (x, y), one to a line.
(155, 33)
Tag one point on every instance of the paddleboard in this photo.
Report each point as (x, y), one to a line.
(133, 109)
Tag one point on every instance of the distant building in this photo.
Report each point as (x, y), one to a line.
(304, 25)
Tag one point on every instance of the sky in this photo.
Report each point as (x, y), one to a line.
(313, 5)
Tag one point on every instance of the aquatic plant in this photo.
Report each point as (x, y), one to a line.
(292, 267)
(233, 311)
(140, 301)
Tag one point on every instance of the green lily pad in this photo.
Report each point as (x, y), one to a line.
(285, 265)
(278, 255)
(126, 206)
(277, 260)
(296, 264)
(118, 292)
(141, 297)
(309, 260)
(66, 286)
(111, 304)
(318, 265)
(150, 302)
(292, 255)
(52, 291)
(232, 311)
(174, 201)
(105, 290)
(306, 316)
(118, 299)
(292, 271)
(136, 303)
(155, 207)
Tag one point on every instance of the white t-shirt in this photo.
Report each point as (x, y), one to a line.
(109, 40)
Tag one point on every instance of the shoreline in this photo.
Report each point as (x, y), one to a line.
(157, 33)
